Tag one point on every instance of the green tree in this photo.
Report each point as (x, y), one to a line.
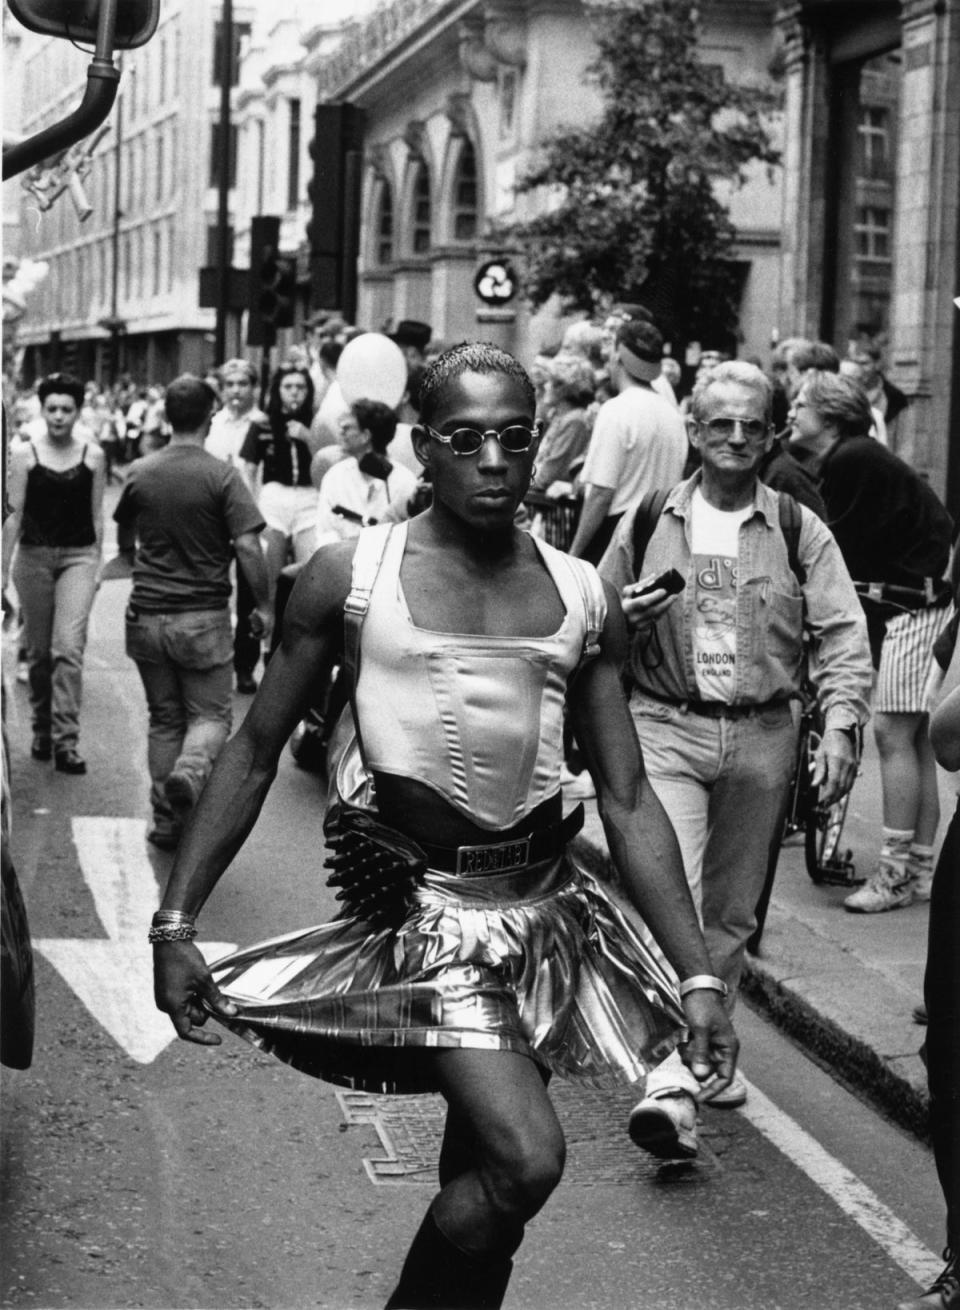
(633, 209)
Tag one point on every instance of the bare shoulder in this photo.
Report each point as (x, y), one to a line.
(321, 588)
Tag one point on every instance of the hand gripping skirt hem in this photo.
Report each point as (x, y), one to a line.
(543, 962)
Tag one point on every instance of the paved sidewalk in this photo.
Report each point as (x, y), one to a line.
(844, 985)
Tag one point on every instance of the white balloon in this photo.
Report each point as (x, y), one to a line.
(372, 367)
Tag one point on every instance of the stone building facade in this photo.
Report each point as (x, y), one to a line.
(871, 195)
(457, 97)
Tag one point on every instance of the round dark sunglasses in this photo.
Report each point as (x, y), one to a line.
(515, 440)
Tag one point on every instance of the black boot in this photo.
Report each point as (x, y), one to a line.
(437, 1275)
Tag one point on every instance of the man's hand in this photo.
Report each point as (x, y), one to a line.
(181, 983)
(834, 765)
(261, 623)
(713, 1046)
(643, 611)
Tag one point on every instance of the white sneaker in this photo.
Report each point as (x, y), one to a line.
(890, 888)
(23, 672)
(578, 786)
(666, 1125)
(734, 1094)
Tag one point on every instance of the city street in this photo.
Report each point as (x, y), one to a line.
(142, 1172)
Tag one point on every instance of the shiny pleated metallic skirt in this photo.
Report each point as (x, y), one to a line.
(542, 961)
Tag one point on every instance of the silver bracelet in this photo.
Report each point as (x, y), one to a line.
(172, 916)
(703, 982)
(172, 932)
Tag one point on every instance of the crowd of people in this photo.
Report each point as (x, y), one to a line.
(738, 534)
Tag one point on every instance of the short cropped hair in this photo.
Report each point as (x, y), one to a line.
(470, 357)
(585, 339)
(62, 384)
(378, 419)
(188, 403)
(737, 372)
(841, 402)
(243, 366)
(814, 354)
(573, 379)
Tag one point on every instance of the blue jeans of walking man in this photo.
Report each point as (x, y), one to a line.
(185, 661)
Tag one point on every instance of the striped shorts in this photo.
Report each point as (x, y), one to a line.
(905, 660)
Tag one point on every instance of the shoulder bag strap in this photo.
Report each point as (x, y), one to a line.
(371, 545)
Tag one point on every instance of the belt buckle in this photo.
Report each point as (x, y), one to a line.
(501, 858)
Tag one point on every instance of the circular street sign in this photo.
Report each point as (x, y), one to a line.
(495, 282)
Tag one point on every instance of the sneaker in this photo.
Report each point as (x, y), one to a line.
(23, 671)
(577, 786)
(166, 837)
(666, 1126)
(182, 790)
(944, 1294)
(890, 888)
(734, 1094)
(67, 759)
(922, 884)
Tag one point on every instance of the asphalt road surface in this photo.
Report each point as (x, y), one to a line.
(139, 1171)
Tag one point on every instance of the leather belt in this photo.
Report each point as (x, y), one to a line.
(502, 857)
(718, 709)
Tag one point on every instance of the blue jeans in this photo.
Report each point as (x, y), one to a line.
(724, 784)
(56, 586)
(185, 661)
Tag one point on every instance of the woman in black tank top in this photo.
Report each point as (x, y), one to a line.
(56, 492)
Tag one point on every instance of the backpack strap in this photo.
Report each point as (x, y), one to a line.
(367, 559)
(644, 524)
(791, 522)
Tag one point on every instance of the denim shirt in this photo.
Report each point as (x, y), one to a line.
(773, 612)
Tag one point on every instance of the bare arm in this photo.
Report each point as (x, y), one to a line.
(596, 503)
(642, 842)
(241, 778)
(16, 496)
(99, 466)
(251, 559)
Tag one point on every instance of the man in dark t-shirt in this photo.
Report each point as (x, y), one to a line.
(189, 511)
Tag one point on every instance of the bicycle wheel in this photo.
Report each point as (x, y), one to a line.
(825, 859)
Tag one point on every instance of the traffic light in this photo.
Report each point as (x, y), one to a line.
(334, 192)
(273, 282)
(278, 290)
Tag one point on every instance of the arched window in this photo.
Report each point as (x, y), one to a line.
(384, 228)
(420, 228)
(465, 195)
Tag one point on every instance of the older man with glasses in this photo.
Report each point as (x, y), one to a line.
(715, 668)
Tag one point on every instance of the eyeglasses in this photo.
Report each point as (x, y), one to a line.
(515, 440)
(752, 428)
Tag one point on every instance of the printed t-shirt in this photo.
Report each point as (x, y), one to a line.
(715, 535)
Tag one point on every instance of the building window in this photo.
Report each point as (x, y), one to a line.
(422, 211)
(157, 260)
(873, 131)
(384, 228)
(126, 264)
(216, 155)
(170, 256)
(162, 71)
(240, 30)
(158, 179)
(508, 102)
(872, 232)
(293, 156)
(465, 195)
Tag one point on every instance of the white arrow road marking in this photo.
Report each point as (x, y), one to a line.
(852, 1196)
(114, 978)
